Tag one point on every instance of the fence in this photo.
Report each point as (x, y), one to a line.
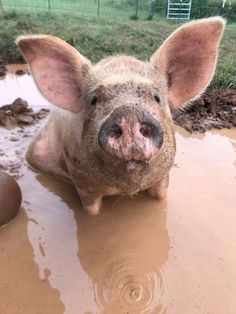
(134, 9)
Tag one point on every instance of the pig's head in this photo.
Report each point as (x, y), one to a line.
(125, 138)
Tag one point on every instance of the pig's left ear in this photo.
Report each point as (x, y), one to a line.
(58, 69)
(188, 58)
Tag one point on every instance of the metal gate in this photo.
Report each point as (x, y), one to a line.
(179, 10)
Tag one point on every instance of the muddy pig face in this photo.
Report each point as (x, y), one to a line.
(123, 103)
(127, 125)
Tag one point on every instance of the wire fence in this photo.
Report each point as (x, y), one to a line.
(133, 9)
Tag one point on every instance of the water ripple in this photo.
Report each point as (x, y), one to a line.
(130, 285)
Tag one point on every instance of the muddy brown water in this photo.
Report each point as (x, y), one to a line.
(138, 256)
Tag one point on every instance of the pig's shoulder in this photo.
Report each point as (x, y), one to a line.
(45, 150)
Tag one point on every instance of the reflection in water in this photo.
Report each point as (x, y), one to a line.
(54, 240)
(122, 250)
(12, 87)
(21, 291)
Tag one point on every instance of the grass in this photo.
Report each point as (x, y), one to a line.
(115, 8)
(106, 8)
(97, 38)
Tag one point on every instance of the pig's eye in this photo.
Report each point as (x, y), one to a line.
(93, 101)
(157, 98)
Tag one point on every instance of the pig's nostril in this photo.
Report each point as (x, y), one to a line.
(116, 131)
(152, 130)
(146, 131)
(109, 129)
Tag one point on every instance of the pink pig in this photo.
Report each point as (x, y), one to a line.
(113, 131)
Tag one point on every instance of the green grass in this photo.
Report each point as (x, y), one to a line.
(112, 8)
(107, 8)
(97, 38)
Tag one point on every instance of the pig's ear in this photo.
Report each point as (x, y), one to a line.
(58, 69)
(188, 58)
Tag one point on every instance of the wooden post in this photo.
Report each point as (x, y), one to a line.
(136, 11)
(150, 9)
(1, 6)
(98, 8)
(49, 5)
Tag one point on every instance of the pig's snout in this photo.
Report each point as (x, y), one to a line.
(131, 135)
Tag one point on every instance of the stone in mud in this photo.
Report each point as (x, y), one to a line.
(10, 198)
(3, 166)
(13, 139)
(20, 72)
(19, 106)
(5, 120)
(25, 119)
(2, 73)
(19, 113)
(3, 70)
(8, 113)
(42, 113)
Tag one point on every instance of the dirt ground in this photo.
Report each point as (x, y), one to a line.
(215, 109)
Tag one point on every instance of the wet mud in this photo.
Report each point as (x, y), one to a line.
(139, 255)
(215, 109)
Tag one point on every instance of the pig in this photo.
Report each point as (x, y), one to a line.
(111, 130)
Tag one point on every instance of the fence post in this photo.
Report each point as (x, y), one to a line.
(150, 9)
(49, 6)
(1, 6)
(136, 10)
(98, 8)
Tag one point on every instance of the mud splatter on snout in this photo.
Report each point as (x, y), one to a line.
(131, 134)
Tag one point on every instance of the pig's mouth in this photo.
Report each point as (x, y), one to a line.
(132, 166)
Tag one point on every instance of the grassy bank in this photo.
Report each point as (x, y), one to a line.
(97, 38)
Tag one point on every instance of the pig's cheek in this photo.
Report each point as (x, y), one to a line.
(159, 190)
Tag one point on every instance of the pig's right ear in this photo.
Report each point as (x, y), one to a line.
(58, 69)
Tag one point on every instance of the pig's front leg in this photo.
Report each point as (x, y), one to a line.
(91, 202)
(159, 190)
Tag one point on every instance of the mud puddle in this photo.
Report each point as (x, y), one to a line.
(137, 256)
(20, 86)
